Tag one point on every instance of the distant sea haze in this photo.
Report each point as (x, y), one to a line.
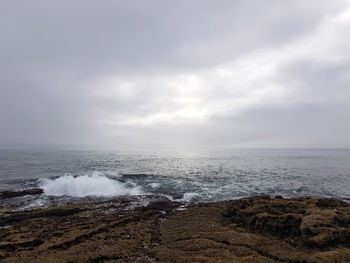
(79, 175)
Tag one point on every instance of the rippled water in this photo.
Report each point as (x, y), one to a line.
(187, 176)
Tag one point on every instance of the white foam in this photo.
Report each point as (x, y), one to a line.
(35, 204)
(87, 185)
(189, 196)
(154, 185)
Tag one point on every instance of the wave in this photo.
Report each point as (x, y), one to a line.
(87, 185)
(189, 196)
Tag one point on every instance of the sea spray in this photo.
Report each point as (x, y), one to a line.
(95, 184)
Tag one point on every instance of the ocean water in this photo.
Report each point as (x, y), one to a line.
(67, 176)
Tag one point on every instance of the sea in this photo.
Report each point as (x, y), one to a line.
(68, 176)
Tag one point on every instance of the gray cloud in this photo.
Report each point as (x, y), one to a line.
(156, 74)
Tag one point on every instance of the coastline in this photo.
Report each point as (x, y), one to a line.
(254, 229)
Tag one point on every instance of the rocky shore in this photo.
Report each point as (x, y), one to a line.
(255, 229)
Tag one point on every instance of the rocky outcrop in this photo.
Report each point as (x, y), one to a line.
(11, 194)
(256, 229)
(311, 222)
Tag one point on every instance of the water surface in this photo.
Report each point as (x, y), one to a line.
(196, 177)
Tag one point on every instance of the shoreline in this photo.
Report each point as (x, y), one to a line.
(33, 198)
(253, 229)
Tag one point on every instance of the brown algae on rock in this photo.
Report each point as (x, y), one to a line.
(255, 229)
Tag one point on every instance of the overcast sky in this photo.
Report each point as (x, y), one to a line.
(175, 74)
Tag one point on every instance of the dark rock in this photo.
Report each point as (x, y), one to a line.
(165, 205)
(11, 194)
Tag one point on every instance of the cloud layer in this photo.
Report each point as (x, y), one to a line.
(188, 74)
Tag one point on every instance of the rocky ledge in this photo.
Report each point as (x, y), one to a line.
(11, 194)
(255, 229)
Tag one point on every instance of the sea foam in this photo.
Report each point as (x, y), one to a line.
(87, 185)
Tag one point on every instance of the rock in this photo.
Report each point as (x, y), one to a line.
(11, 194)
(315, 223)
(165, 205)
(255, 230)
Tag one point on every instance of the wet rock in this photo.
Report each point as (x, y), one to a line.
(11, 194)
(164, 205)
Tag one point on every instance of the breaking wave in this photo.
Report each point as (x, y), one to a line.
(87, 185)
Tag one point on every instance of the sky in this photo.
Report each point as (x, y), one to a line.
(175, 74)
